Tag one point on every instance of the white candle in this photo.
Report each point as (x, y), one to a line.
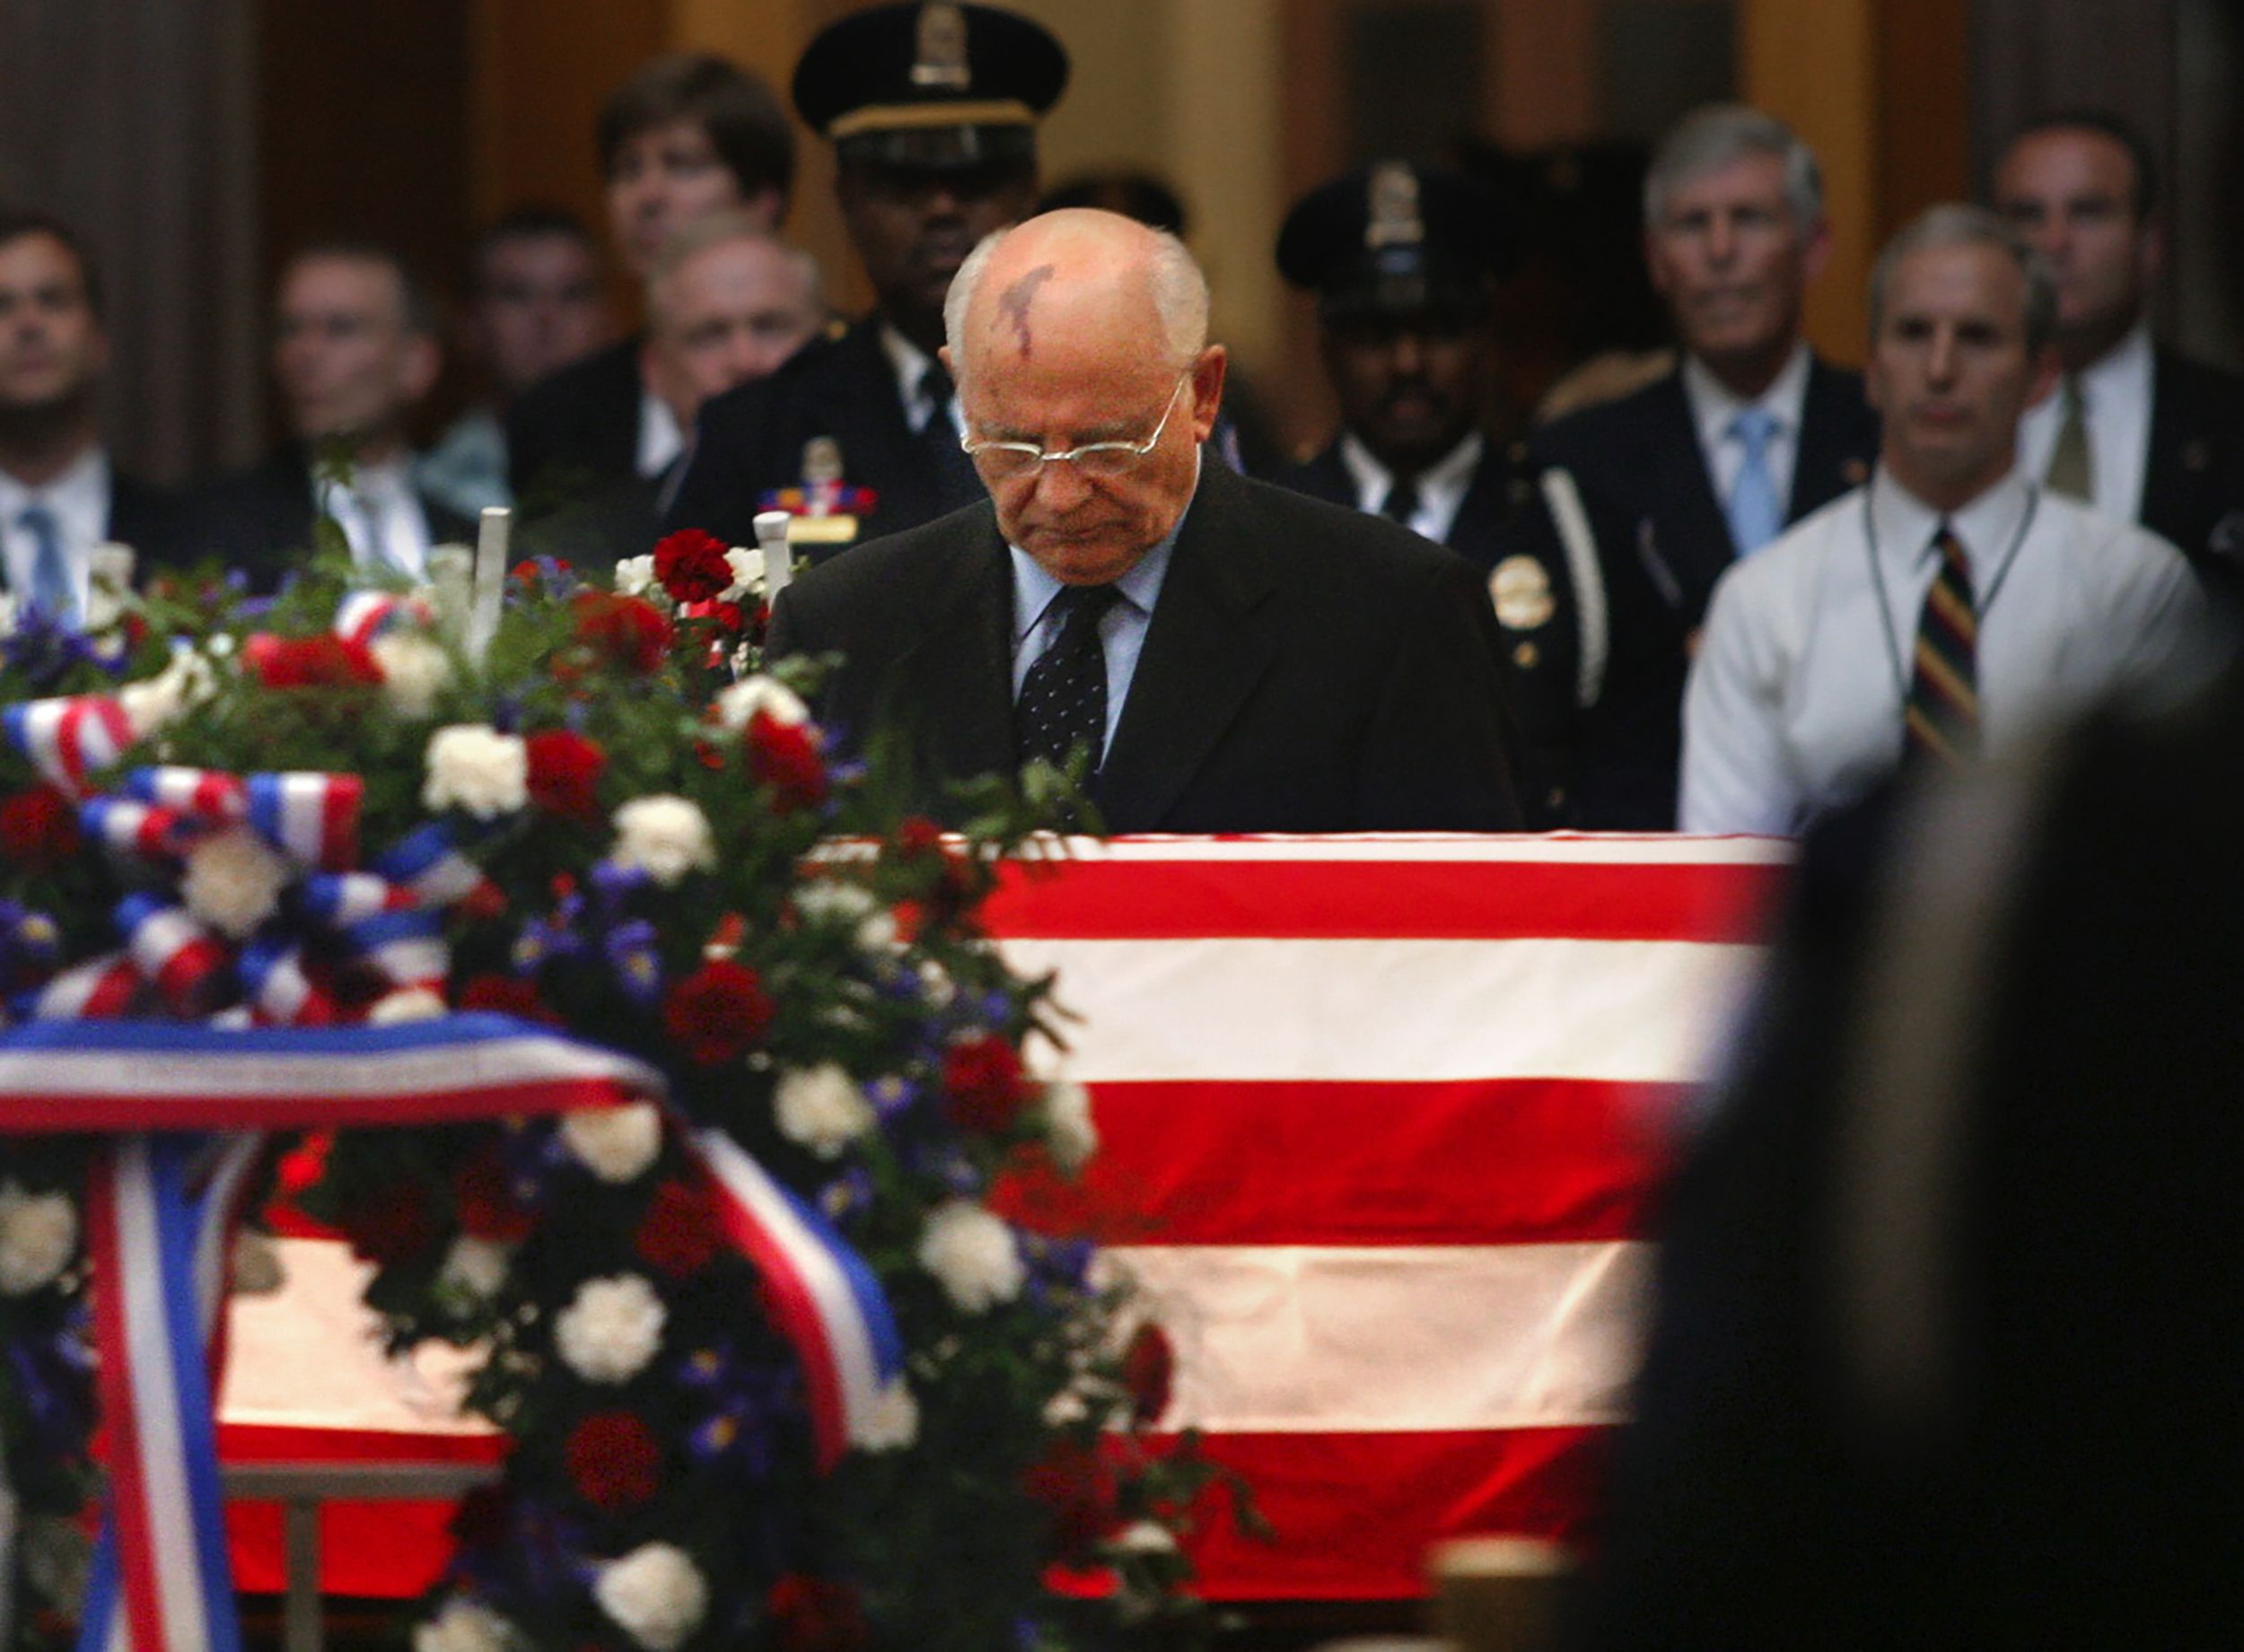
(490, 579)
(771, 538)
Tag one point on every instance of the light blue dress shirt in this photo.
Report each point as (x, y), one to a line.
(1121, 632)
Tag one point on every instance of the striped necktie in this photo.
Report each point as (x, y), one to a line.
(1941, 720)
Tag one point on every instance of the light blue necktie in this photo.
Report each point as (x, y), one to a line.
(1757, 515)
(50, 593)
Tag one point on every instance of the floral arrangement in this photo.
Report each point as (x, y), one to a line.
(601, 816)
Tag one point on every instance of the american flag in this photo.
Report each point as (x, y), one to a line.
(1380, 1118)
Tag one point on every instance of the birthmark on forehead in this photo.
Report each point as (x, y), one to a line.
(1014, 303)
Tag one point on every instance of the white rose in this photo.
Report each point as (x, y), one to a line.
(471, 766)
(616, 1144)
(232, 881)
(38, 1235)
(894, 1422)
(655, 1594)
(474, 1269)
(665, 837)
(972, 1255)
(737, 703)
(412, 1003)
(634, 577)
(611, 1329)
(462, 1626)
(822, 1108)
(1143, 1537)
(187, 680)
(1069, 1130)
(413, 670)
(837, 901)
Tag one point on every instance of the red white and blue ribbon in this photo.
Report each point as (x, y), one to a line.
(68, 740)
(819, 1293)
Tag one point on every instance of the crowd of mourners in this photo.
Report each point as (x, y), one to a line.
(1723, 585)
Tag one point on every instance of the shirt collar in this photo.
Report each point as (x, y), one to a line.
(1373, 479)
(1714, 404)
(1905, 524)
(910, 363)
(1033, 589)
(2125, 366)
(82, 489)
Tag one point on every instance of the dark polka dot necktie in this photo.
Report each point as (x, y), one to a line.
(1063, 701)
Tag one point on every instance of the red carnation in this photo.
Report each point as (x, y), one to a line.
(918, 836)
(388, 1227)
(39, 829)
(817, 1615)
(485, 1202)
(613, 1460)
(1078, 1486)
(691, 565)
(1149, 1371)
(981, 1083)
(785, 757)
(630, 633)
(324, 661)
(505, 995)
(565, 770)
(678, 1235)
(719, 1013)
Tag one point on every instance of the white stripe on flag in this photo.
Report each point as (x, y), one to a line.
(1650, 849)
(1319, 1338)
(1625, 1011)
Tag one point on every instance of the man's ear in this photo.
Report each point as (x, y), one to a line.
(1207, 389)
(943, 355)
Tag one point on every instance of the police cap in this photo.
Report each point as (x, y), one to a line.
(930, 86)
(1396, 239)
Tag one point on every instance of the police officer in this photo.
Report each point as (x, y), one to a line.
(931, 110)
(1402, 258)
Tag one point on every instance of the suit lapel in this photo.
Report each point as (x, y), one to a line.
(1686, 544)
(1480, 514)
(1212, 638)
(963, 658)
(1831, 435)
(877, 443)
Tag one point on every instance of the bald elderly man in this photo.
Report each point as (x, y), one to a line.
(1229, 657)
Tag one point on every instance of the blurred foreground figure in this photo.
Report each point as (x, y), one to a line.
(1945, 1349)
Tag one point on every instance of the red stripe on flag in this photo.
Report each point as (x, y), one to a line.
(1471, 1162)
(1346, 900)
(1355, 1513)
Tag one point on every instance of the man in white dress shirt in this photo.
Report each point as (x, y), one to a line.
(1952, 603)
(2141, 431)
(60, 494)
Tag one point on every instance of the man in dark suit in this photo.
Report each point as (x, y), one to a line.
(60, 495)
(2137, 431)
(931, 111)
(1223, 656)
(687, 135)
(1945, 1348)
(1401, 259)
(355, 350)
(1663, 489)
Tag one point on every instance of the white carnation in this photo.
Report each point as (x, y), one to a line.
(412, 1003)
(664, 836)
(413, 670)
(38, 1235)
(616, 1144)
(634, 577)
(972, 1255)
(611, 1329)
(232, 881)
(839, 901)
(737, 703)
(187, 680)
(1143, 1537)
(655, 1594)
(1069, 1129)
(473, 768)
(462, 1626)
(893, 1423)
(822, 1108)
(474, 1269)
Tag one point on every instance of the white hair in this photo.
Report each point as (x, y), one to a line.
(697, 235)
(1712, 137)
(1178, 289)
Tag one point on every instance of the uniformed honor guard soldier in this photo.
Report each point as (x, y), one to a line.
(1402, 258)
(931, 110)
